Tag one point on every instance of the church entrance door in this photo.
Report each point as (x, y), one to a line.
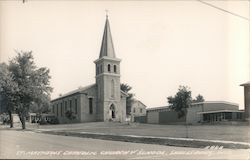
(112, 110)
(113, 114)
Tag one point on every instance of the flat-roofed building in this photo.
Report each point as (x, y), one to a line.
(247, 100)
(197, 113)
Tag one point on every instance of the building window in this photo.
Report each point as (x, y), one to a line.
(115, 68)
(228, 115)
(57, 110)
(134, 110)
(112, 88)
(53, 108)
(97, 70)
(75, 106)
(70, 105)
(65, 105)
(239, 115)
(109, 67)
(90, 105)
(140, 110)
(61, 109)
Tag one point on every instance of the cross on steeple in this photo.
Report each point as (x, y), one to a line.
(106, 13)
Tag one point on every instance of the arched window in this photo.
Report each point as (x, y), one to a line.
(90, 105)
(112, 107)
(57, 110)
(115, 68)
(112, 88)
(61, 109)
(65, 106)
(75, 106)
(70, 105)
(108, 67)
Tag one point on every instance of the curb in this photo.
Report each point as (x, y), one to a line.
(168, 141)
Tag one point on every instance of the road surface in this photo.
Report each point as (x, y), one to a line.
(19, 144)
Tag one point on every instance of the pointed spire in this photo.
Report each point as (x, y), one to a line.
(107, 48)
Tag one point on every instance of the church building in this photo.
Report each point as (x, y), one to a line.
(102, 101)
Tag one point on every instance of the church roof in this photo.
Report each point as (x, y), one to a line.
(246, 84)
(107, 48)
(79, 90)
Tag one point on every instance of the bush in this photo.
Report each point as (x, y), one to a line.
(70, 115)
(42, 122)
(53, 120)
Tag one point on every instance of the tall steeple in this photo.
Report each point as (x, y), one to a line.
(107, 48)
(108, 97)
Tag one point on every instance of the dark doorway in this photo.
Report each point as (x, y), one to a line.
(112, 109)
(113, 114)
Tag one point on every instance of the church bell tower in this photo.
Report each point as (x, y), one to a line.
(108, 80)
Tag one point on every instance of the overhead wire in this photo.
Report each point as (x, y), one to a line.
(211, 5)
(201, 1)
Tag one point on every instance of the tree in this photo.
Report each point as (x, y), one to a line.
(42, 105)
(181, 100)
(126, 88)
(8, 90)
(70, 115)
(199, 98)
(32, 82)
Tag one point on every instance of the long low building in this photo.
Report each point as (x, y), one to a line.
(197, 113)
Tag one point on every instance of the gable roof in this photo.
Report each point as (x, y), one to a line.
(136, 100)
(79, 90)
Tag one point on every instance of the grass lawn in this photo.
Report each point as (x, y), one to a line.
(237, 133)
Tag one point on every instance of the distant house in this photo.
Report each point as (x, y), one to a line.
(197, 113)
(138, 111)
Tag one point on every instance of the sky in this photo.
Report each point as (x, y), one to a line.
(162, 44)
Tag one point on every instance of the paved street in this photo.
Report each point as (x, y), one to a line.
(28, 144)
